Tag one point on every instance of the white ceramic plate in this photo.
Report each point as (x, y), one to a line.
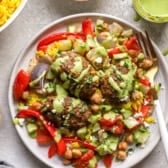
(14, 15)
(28, 52)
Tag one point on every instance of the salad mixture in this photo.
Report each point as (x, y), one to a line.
(7, 8)
(85, 94)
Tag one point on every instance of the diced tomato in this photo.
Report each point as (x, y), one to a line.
(108, 123)
(87, 27)
(20, 84)
(132, 44)
(43, 137)
(119, 127)
(145, 109)
(145, 81)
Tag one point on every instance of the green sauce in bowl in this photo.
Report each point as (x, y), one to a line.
(152, 10)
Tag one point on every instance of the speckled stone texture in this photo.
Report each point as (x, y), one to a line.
(35, 16)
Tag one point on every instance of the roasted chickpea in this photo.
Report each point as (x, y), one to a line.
(25, 95)
(123, 146)
(129, 139)
(68, 154)
(121, 155)
(93, 72)
(76, 153)
(94, 107)
(139, 72)
(146, 63)
(136, 95)
(96, 98)
(36, 106)
(66, 161)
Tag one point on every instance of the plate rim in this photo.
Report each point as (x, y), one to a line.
(37, 36)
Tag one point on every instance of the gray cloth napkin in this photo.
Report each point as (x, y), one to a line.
(5, 165)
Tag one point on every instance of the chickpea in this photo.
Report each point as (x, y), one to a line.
(132, 53)
(136, 95)
(76, 153)
(139, 72)
(129, 139)
(96, 98)
(146, 63)
(119, 117)
(68, 154)
(36, 106)
(66, 161)
(93, 72)
(123, 146)
(121, 155)
(94, 107)
(25, 95)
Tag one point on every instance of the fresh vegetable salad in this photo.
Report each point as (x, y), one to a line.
(85, 94)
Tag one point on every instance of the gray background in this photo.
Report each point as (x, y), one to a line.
(35, 16)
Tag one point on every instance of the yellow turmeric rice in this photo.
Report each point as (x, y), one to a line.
(7, 8)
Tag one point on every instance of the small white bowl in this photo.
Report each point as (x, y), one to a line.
(14, 15)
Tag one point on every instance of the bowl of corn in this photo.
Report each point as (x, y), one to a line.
(9, 10)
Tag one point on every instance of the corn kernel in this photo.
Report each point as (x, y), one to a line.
(150, 119)
(75, 145)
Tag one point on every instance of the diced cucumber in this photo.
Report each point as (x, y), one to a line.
(91, 41)
(82, 132)
(130, 122)
(92, 162)
(109, 116)
(120, 56)
(109, 147)
(126, 113)
(105, 107)
(96, 127)
(141, 135)
(71, 28)
(81, 47)
(94, 118)
(65, 45)
(31, 128)
(60, 90)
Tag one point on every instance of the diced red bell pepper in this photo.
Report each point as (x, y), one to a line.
(108, 123)
(87, 27)
(32, 113)
(113, 51)
(85, 144)
(87, 156)
(58, 36)
(107, 160)
(20, 84)
(145, 109)
(61, 147)
(43, 48)
(132, 44)
(145, 81)
(43, 137)
(52, 150)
